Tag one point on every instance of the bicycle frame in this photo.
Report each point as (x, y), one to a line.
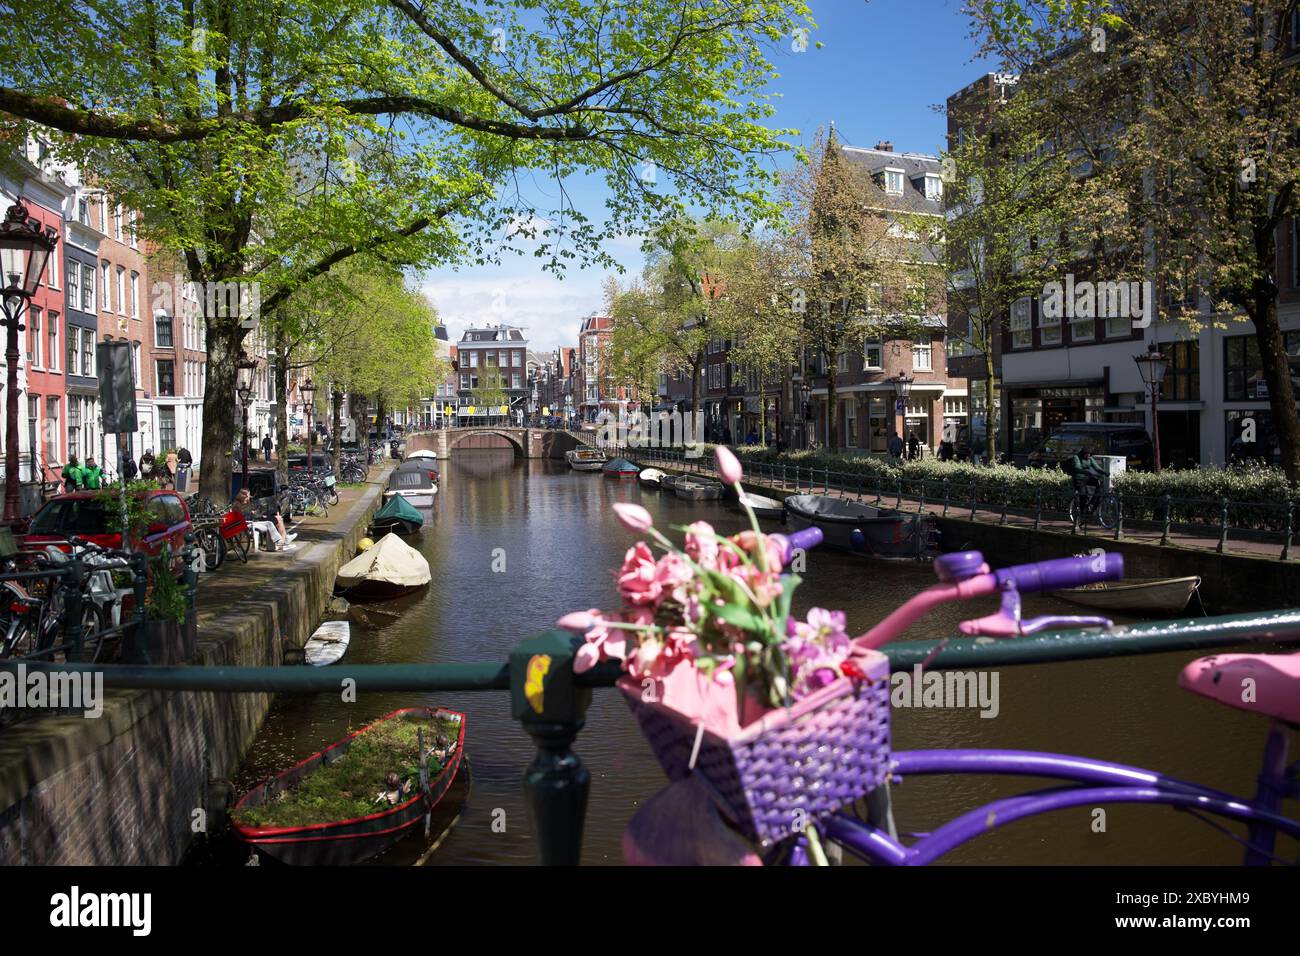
(1097, 782)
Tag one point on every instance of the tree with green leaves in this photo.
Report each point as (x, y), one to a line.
(855, 269)
(1011, 201)
(1198, 151)
(266, 142)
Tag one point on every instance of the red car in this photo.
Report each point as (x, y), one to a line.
(85, 515)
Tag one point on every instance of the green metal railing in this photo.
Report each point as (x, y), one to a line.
(550, 700)
(1212, 519)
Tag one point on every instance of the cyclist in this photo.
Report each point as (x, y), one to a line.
(72, 474)
(1087, 476)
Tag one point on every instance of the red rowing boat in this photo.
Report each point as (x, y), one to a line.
(345, 842)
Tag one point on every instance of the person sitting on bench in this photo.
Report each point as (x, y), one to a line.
(271, 525)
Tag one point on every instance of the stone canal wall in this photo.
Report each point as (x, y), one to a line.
(124, 788)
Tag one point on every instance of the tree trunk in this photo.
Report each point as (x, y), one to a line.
(1277, 373)
(282, 356)
(336, 429)
(224, 338)
(832, 418)
(992, 436)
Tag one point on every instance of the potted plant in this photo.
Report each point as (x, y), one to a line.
(171, 625)
(786, 719)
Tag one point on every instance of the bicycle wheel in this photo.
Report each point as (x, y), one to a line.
(241, 544)
(213, 546)
(92, 645)
(1108, 511)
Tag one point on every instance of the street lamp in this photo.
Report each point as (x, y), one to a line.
(309, 398)
(25, 247)
(805, 408)
(902, 388)
(1152, 366)
(244, 369)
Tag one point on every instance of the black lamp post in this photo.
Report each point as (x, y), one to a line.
(25, 247)
(902, 388)
(309, 397)
(244, 369)
(805, 408)
(1152, 366)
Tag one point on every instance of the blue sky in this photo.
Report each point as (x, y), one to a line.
(882, 68)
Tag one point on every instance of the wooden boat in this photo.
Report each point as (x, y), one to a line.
(762, 506)
(397, 516)
(328, 643)
(618, 468)
(853, 526)
(694, 488)
(345, 842)
(416, 485)
(1140, 595)
(389, 569)
(585, 459)
(652, 476)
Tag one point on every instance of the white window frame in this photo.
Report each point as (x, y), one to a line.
(1118, 327)
(74, 350)
(1049, 327)
(876, 346)
(106, 273)
(52, 339)
(135, 295)
(34, 315)
(923, 354)
(933, 186)
(121, 290)
(1022, 327)
(894, 175)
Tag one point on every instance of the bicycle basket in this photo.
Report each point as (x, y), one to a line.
(233, 523)
(790, 768)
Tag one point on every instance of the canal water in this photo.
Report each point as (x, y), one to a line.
(556, 535)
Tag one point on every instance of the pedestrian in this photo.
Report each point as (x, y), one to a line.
(147, 465)
(129, 470)
(72, 474)
(913, 447)
(184, 465)
(945, 450)
(266, 446)
(895, 445)
(92, 476)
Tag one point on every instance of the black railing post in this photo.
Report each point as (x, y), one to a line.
(974, 499)
(1006, 501)
(1119, 514)
(74, 575)
(920, 503)
(1223, 526)
(552, 708)
(945, 497)
(1038, 506)
(898, 492)
(137, 649)
(191, 576)
(1164, 530)
(1290, 529)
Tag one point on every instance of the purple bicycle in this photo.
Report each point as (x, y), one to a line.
(685, 817)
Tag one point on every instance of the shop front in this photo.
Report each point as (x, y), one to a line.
(1036, 410)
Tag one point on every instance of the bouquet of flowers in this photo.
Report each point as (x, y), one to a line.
(719, 671)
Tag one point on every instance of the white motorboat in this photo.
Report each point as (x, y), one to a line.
(652, 476)
(763, 506)
(416, 485)
(585, 459)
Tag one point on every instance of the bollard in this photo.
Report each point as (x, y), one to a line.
(1290, 527)
(552, 709)
(1164, 531)
(1223, 526)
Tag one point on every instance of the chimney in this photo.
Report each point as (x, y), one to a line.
(885, 146)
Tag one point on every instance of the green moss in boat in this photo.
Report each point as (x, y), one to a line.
(347, 787)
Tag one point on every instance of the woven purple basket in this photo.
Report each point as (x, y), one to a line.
(791, 767)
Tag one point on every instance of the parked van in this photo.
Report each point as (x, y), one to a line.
(1101, 438)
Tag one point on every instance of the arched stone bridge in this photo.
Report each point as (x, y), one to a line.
(526, 442)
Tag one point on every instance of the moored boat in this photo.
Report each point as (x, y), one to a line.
(854, 526)
(356, 838)
(694, 488)
(328, 643)
(397, 516)
(763, 506)
(388, 569)
(1139, 595)
(652, 476)
(585, 459)
(619, 468)
(417, 485)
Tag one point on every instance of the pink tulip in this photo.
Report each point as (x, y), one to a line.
(633, 517)
(579, 622)
(586, 658)
(728, 465)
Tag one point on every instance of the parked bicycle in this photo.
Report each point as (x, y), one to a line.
(1101, 506)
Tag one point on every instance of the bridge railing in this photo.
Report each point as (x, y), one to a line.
(556, 783)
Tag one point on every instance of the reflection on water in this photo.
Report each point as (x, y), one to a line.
(560, 544)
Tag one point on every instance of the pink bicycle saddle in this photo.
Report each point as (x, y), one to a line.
(1260, 683)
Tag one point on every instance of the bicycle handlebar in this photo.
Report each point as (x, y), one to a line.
(804, 539)
(1063, 572)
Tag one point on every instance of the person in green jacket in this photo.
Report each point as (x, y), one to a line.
(1087, 476)
(72, 474)
(92, 476)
